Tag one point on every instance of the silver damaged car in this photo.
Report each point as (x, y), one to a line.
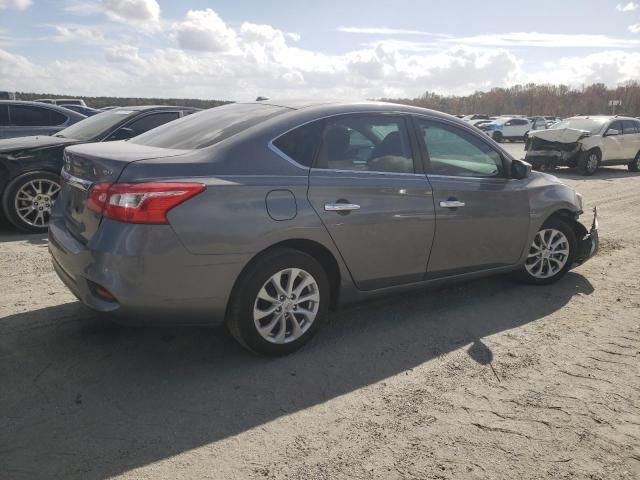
(265, 216)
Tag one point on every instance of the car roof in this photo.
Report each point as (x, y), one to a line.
(142, 108)
(606, 118)
(337, 107)
(50, 106)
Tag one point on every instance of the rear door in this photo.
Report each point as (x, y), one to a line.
(373, 198)
(482, 216)
(631, 138)
(25, 120)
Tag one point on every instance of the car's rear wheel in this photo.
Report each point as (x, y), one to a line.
(634, 165)
(589, 162)
(551, 253)
(29, 198)
(497, 136)
(279, 302)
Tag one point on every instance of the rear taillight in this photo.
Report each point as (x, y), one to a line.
(140, 202)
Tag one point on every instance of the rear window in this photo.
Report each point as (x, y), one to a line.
(208, 127)
(28, 116)
(94, 127)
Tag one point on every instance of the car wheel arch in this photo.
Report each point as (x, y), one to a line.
(569, 217)
(312, 248)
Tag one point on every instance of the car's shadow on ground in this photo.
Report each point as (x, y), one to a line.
(85, 398)
(603, 173)
(8, 233)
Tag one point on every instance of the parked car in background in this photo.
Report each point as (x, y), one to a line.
(62, 101)
(20, 119)
(538, 123)
(479, 123)
(586, 143)
(86, 111)
(265, 215)
(507, 128)
(7, 95)
(30, 166)
(475, 116)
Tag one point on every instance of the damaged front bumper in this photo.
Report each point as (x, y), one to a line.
(588, 241)
(552, 158)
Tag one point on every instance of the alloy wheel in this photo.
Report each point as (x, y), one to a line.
(286, 305)
(548, 254)
(592, 162)
(34, 201)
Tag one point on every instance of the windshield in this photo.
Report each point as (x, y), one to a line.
(208, 127)
(93, 127)
(592, 125)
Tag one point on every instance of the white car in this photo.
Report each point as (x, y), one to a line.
(507, 128)
(586, 142)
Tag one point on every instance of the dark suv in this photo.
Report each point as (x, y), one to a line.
(30, 166)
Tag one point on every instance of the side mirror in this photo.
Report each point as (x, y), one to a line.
(520, 169)
(123, 133)
(612, 131)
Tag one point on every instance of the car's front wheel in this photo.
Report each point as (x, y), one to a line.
(634, 165)
(279, 302)
(29, 198)
(551, 253)
(497, 136)
(589, 162)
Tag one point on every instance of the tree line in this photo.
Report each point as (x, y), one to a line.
(100, 102)
(532, 99)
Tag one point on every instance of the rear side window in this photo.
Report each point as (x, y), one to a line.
(4, 115)
(209, 127)
(28, 116)
(149, 122)
(373, 143)
(301, 144)
(630, 127)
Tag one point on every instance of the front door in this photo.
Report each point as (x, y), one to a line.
(612, 143)
(374, 200)
(482, 216)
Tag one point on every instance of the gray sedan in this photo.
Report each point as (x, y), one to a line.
(264, 216)
(22, 119)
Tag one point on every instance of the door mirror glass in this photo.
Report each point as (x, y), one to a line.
(612, 131)
(520, 169)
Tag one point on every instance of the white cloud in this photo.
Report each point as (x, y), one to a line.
(204, 30)
(211, 59)
(17, 4)
(144, 14)
(546, 40)
(386, 31)
(628, 7)
(78, 33)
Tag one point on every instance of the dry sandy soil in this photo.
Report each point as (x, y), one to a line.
(489, 379)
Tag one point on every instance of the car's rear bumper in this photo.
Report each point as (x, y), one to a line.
(153, 279)
(588, 241)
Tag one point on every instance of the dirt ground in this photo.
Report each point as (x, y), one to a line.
(489, 379)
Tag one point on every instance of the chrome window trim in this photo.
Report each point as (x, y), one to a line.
(76, 182)
(370, 172)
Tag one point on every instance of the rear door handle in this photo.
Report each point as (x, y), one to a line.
(341, 207)
(452, 204)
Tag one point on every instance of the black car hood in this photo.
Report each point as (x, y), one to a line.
(33, 143)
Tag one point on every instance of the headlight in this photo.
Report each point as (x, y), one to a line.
(579, 201)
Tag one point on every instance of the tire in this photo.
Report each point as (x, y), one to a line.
(634, 165)
(246, 307)
(27, 208)
(554, 231)
(589, 162)
(497, 136)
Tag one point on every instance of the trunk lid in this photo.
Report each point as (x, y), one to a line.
(86, 165)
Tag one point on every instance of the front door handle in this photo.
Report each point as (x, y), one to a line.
(452, 204)
(341, 207)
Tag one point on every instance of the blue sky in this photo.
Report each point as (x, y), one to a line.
(283, 48)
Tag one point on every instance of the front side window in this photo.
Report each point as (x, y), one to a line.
(614, 127)
(4, 115)
(28, 116)
(454, 152)
(373, 143)
(149, 122)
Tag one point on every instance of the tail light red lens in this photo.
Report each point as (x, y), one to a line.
(140, 202)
